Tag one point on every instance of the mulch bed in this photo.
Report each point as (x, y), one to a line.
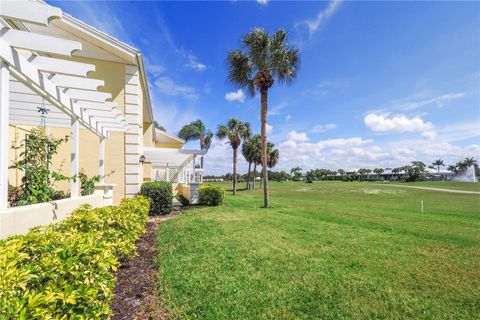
(136, 292)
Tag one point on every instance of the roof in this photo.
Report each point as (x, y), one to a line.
(116, 47)
(170, 156)
(163, 136)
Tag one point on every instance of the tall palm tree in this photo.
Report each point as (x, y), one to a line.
(196, 130)
(234, 131)
(265, 59)
(438, 163)
(273, 155)
(248, 151)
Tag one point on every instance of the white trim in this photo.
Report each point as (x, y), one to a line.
(4, 138)
(74, 162)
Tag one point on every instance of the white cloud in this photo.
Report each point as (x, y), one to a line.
(324, 127)
(412, 103)
(276, 110)
(397, 123)
(235, 96)
(297, 136)
(194, 64)
(167, 86)
(314, 24)
(269, 128)
(263, 2)
(429, 135)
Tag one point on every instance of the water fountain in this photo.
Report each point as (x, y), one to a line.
(467, 175)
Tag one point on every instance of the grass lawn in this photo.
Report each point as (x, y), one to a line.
(454, 185)
(328, 250)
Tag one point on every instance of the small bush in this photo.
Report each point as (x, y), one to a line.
(211, 195)
(64, 270)
(161, 195)
(183, 201)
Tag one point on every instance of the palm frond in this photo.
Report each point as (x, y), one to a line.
(239, 68)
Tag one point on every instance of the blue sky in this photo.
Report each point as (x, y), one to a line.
(381, 83)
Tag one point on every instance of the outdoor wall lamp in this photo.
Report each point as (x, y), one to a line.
(142, 159)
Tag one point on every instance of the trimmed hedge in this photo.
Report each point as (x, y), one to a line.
(211, 195)
(64, 270)
(161, 195)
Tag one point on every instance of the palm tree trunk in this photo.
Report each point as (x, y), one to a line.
(263, 117)
(254, 175)
(235, 171)
(201, 148)
(248, 175)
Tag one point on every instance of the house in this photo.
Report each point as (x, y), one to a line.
(62, 75)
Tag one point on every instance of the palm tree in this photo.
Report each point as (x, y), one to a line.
(235, 131)
(378, 172)
(249, 150)
(452, 168)
(438, 163)
(469, 162)
(196, 131)
(265, 59)
(273, 155)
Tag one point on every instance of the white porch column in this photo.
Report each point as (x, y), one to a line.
(167, 174)
(101, 159)
(75, 183)
(4, 139)
(194, 174)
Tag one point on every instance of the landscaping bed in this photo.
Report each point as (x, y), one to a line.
(136, 291)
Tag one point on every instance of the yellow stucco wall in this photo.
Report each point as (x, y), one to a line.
(114, 76)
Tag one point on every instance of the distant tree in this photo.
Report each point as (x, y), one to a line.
(378, 172)
(470, 162)
(296, 173)
(415, 171)
(310, 176)
(235, 131)
(158, 126)
(196, 130)
(438, 163)
(341, 172)
(228, 176)
(262, 60)
(452, 168)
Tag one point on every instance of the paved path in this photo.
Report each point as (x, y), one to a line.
(428, 188)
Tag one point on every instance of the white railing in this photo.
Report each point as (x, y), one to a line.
(176, 174)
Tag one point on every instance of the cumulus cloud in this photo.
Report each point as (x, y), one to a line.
(238, 95)
(297, 136)
(324, 127)
(169, 87)
(322, 17)
(397, 123)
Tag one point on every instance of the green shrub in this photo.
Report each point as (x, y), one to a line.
(64, 270)
(161, 195)
(211, 195)
(183, 201)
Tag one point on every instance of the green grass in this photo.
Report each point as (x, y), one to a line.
(328, 250)
(454, 185)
